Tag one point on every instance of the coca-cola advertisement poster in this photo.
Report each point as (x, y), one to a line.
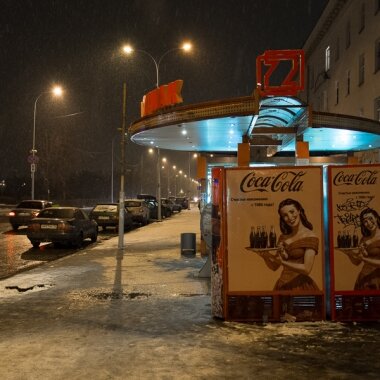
(355, 231)
(274, 230)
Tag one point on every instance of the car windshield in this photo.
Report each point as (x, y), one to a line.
(132, 204)
(105, 208)
(30, 204)
(58, 213)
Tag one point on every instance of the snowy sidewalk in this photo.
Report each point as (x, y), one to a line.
(145, 314)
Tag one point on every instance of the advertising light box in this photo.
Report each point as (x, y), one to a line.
(355, 241)
(274, 233)
(273, 243)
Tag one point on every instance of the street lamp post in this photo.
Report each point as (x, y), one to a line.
(122, 170)
(127, 49)
(57, 91)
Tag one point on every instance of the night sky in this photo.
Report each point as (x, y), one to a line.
(76, 43)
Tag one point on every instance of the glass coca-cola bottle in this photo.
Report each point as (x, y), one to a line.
(355, 240)
(252, 238)
(272, 237)
(339, 240)
(258, 237)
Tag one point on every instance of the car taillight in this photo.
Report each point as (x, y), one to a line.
(34, 227)
(12, 213)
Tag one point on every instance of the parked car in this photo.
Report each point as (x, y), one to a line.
(183, 201)
(166, 207)
(107, 215)
(25, 211)
(139, 210)
(170, 205)
(62, 225)
(175, 206)
(153, 210)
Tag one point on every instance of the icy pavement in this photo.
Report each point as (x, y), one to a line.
(145, 314)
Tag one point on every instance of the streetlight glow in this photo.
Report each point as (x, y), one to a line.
(57, 91)
(127, 49)
(187, 46)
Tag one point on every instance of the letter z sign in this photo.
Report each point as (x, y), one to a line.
(294, 80)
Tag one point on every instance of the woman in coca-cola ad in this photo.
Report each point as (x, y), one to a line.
(368, 251)
(296, 249)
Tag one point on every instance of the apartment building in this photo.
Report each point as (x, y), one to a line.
(343, 60)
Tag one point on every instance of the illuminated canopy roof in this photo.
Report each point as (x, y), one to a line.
(220, 125)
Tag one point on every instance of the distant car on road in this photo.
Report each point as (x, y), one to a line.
(25, 211)
(62, 225)
(139, 210)
(107, 215)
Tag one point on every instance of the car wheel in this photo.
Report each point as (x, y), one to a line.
(94, 237)
(35, 244)
(15, 227)
(79, 241)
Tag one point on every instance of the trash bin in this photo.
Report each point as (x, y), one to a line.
(188, 245)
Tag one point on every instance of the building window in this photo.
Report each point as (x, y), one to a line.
(310, 77)
(348, 35)
(377, 109)
(348, 82)
(327, 58)
(377, 55)
(361, 69)
(337, 49)
(324, 101)
(336, 92)
(362, 18)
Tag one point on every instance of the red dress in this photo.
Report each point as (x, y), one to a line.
(290, 279)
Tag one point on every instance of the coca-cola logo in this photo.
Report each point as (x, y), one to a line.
(365, 177)
(284, 181)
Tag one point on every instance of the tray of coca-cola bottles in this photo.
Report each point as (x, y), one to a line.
(347, 241)
(260, 240)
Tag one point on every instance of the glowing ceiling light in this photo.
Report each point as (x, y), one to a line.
(184, 132)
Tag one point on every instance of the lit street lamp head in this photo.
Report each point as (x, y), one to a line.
(57, 91)
(187, 46)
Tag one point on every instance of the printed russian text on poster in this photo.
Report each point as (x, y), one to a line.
(274, 229)
(355, 221)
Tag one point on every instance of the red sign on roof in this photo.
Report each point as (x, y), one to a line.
(268, 63)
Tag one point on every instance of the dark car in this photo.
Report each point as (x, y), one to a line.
(174, 206)
(153, 209)
(171, 206)
(25, 211)
(62, 225)
(139, 210)
(166, 207)
(107, 215)
(183, 201)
